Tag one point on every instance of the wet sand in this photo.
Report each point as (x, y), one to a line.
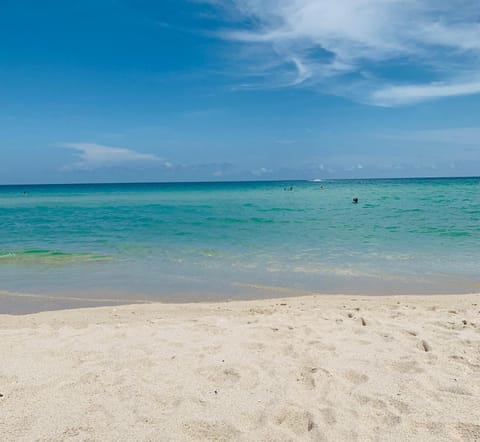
(333, 368)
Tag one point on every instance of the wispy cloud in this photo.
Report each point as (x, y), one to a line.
(91, 156)
(364, 49)
(405, 94)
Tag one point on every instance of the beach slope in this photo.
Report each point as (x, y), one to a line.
(310, 368)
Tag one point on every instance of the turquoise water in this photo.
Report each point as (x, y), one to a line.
(225, 240)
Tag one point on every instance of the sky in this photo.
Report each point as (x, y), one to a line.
(187, 90)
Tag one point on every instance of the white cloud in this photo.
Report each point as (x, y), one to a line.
(396, 95)
(358, 48)
(94, 156)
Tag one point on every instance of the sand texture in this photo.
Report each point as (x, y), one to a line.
(332, 368)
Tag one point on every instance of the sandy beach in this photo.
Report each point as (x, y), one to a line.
(335, 368)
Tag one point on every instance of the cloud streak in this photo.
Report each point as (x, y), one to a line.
(412, 93)
(364, 49)
(92, 156)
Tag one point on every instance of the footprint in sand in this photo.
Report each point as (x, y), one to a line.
(77, 431)
(298, 421)
(355, 377)
(307, 377)
(231, 373)
(243, 377)
(328, 416)
(387, 416)
(372, 402)
(226, 376)
(400, 406)
(203, 430)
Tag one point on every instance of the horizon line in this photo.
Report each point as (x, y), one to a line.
(238, 181)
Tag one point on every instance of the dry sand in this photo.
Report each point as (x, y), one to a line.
(333, 368)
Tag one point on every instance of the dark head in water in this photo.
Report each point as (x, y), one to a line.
(355, 200)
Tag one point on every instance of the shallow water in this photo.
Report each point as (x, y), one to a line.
(201, 241)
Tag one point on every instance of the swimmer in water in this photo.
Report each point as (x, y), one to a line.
(355, 200)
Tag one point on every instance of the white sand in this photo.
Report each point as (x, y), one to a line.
(292, 369)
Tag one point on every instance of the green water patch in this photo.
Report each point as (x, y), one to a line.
(282, 209)
(454, 233)
(259, 220)
(48, 257)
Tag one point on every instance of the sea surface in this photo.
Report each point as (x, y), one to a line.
(75, 245)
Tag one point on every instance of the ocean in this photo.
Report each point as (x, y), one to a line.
(78, 245)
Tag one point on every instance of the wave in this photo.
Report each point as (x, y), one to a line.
(66, 297)
(45, 256)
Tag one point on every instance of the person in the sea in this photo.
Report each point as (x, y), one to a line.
(355, 200)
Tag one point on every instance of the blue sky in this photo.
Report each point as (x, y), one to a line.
(144, 90)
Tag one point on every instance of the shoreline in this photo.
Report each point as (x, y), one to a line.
(24, 303)
(322, 367)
